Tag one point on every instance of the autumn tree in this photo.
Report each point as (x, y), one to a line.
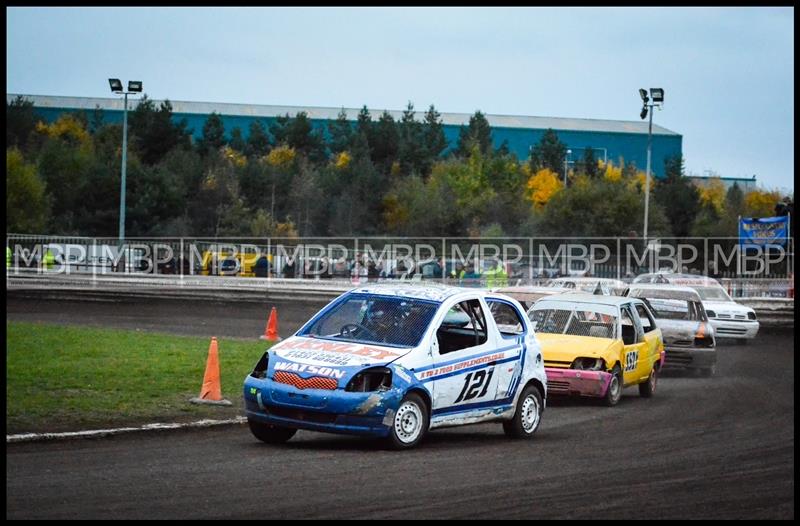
(26, 205)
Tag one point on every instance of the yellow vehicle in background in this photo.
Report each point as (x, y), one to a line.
(241, 264)
(596, 345)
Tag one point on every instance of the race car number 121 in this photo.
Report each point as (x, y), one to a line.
(473, 383)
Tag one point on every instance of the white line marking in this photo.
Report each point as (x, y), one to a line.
(32, 437)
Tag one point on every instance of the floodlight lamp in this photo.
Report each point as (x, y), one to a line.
(657, 94)
(135, 85)
(643, 115)
(643, 94)
(116, 84)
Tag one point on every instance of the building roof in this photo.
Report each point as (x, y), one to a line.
(260, 110)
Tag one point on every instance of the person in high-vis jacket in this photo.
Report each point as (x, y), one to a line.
(495, 275)
(49, 259)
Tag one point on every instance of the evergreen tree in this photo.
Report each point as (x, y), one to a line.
(435, 141)
(237, 141)
(340, 132)
(678, 197)
(477, 133)
(213, 135)
(153, 133)
(411, 149)
(384, 142)
(20, 122)
(549, 153)
(257, 140)
(588, 163)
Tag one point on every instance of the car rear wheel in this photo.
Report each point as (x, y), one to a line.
(527, 416)
(614, 391)
(648, 388)
(269, 433)
(410, 423)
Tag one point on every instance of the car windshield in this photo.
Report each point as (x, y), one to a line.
(674, 309)
(712, 294)
(383, 320)
(577, 322)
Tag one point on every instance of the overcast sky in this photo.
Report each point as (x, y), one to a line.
(728, 73)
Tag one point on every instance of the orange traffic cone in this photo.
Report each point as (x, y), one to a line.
(211, 391)
(271, 330)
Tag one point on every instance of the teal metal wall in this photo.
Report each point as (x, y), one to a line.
(632, 147)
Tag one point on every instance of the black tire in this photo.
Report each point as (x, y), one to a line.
(410, 423)
(614, 391)
(524, 424)
(270, 434)
(648, 388)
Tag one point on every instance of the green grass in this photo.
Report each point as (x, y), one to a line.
(72, 378)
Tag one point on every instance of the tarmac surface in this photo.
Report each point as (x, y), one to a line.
(701, 448)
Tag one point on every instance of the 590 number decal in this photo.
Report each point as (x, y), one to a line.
(475, 385)
(630, 360)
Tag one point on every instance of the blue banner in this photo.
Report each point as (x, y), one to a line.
(756, 232)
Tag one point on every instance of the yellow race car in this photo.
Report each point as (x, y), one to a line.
(597, 345)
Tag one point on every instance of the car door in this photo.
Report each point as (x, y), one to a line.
(634, 345)
(652, 336)
(512, 331)
(464, 375)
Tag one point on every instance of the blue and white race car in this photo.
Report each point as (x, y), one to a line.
(394, 361)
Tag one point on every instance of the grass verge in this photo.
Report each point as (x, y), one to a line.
(67, 378)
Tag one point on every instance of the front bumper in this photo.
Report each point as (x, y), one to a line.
(682, 358)
(734, 329)
(336, 411)
(577, 382)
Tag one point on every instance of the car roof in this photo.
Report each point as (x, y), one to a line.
(595, 299)
(531, 289)
(431, 292)
(683, 279)
(680, 292)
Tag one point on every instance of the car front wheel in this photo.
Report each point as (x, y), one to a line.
(410, 423)
(269, 433)
(527, 416)
(614, 391)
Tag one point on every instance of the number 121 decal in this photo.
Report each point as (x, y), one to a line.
(475, 385)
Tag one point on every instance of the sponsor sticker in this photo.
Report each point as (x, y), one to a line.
(310, 369)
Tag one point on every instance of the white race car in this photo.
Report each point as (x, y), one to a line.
(729, 319)
(394, 361)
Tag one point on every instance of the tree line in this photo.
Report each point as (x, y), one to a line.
(374, 176)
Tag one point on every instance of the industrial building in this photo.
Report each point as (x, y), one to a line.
(611, 140)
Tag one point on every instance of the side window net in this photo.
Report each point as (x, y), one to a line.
(464, 326)
(507, 318)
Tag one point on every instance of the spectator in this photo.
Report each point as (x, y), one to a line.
(372, 271)
(289, 269)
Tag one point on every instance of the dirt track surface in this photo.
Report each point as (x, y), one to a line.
(701, 448)
(199, 318)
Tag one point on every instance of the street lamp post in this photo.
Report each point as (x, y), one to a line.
(566, 163)
(657, 95)
(134, 86)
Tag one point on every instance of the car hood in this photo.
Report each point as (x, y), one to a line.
(681, 330)
(726, 307)
(328, 353)
(566, 347)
